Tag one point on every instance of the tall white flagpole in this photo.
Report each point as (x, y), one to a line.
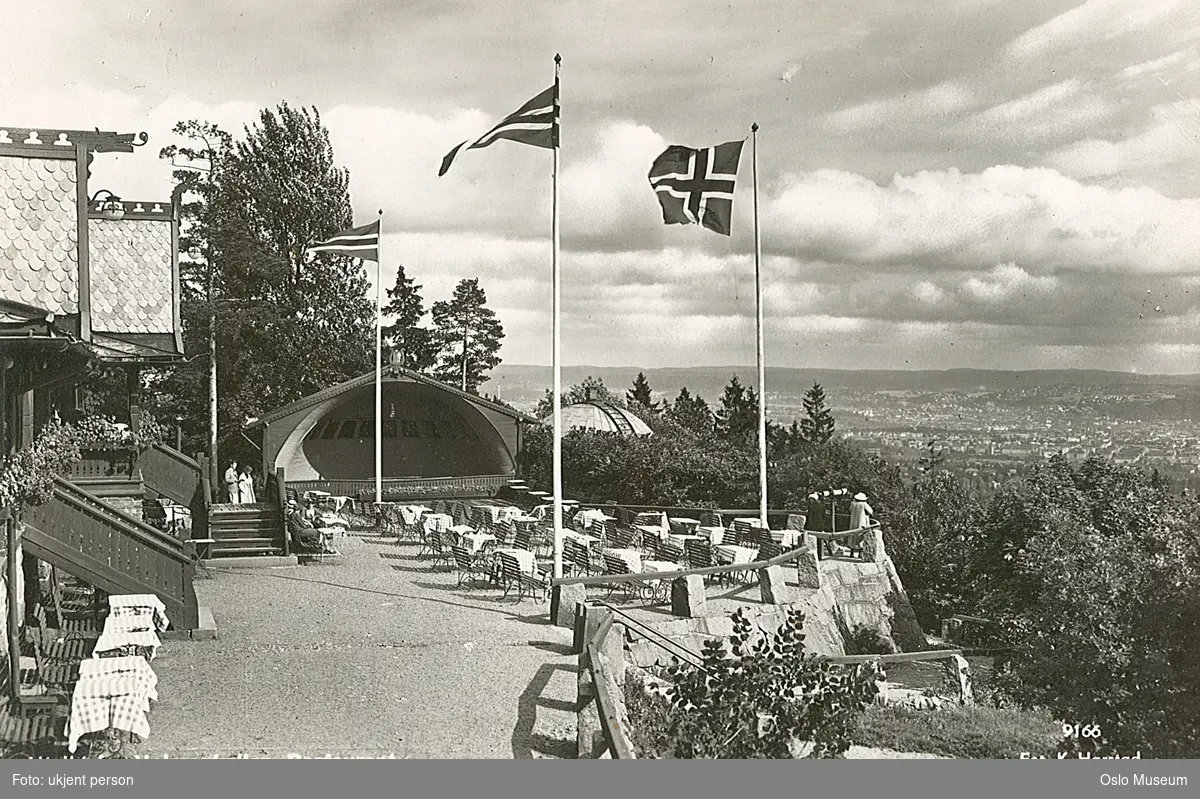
(762, 371)
(379, 365)
(555, 313)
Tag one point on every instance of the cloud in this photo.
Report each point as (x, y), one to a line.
(1055, 111)
(1092, 23)
(1169, 142)
(933, 104)
(945, 219)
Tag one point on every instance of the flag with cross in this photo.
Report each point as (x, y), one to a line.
(696, 186)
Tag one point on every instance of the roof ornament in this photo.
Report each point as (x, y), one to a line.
(110, 207)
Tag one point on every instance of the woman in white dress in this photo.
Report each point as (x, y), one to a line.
(246, 486)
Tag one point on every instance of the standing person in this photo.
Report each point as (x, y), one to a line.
(860, 512)
(246, 486)
(231, 482)
(815, 518)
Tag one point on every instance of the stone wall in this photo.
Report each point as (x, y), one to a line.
(853, 595)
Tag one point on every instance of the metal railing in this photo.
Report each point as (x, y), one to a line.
(643, 577)
(470, 486)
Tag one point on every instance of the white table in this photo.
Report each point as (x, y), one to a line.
(150, 601)
(630, 557)
(715, 535)
(437, 521)
(475, 541)
(523, 557)
(731, 553)
(788, 539)
(118, 639)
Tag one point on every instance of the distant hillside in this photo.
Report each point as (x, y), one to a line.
(525, 384)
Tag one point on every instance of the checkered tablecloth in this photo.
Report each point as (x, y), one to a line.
(116, 701)
(142, 601)
(730, 553)
(523, 557)
(630, 557)
(411, 514)
(137, 667)
(475, 540)
(117, 639)
(129, 619)
(438, 521)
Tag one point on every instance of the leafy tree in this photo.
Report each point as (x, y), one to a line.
(251, 213)
(405, 336)
(1093, 573)
(640, 394)
(933, 538)
(817, 426)
(592, 389)
(934, 457)
(766, 698)
(467, 335)
(692, 413)
(736, 420)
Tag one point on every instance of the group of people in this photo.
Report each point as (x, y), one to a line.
(820, 509)
(239, 484)
(301, 524)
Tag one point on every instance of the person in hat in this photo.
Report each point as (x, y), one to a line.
(860, 512)
(301, 529)
(232, 491)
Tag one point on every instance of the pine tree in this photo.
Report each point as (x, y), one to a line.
(691, 412)
(736, 420)
(817, 425)
(467, 335)
(404, 336)
(640, 394)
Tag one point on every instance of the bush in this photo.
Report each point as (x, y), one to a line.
(966, 732)
(765, 698)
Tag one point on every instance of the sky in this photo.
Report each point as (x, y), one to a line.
(1009, 184)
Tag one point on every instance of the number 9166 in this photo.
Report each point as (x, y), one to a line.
(1081, 730)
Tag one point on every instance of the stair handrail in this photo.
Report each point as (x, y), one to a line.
(138, 529)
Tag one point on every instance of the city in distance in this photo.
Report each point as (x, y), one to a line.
(991, 425)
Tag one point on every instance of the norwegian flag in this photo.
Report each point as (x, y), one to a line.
(696, 186)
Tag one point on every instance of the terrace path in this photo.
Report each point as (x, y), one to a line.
(374, 656)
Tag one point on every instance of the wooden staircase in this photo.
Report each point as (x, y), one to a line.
(245, 530)
(113, 551)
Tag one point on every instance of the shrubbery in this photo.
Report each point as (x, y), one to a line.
(764, 698)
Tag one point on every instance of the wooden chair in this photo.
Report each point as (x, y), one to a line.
(470, 566)
(523, 539)
(671, 552)
(526, 582)
(615, 567)
(436, 548)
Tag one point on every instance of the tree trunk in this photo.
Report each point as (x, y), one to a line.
(464, 363)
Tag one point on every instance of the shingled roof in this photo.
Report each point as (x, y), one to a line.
(132, 275)
(38, 234)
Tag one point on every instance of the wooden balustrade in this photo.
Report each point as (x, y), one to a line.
(113, 551)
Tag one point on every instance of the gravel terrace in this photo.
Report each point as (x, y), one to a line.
(376, 655)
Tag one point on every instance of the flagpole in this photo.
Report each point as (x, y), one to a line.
(379, 365)
(762, 372)
(555, 313)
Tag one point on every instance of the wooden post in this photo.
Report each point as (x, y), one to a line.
(281, 479)
(133, 386)
(14, 617)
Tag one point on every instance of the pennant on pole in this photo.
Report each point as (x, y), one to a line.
(534, 123)
(359, 242)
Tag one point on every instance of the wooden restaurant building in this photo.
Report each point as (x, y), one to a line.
(438, 441)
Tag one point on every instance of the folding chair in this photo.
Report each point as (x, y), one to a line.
(526, 582)
(435, 546)
(470, 567)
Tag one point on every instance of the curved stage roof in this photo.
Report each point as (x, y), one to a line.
(430, 429)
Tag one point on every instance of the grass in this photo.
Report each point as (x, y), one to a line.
(975, 732)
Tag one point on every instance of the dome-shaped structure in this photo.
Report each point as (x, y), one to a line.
(603, 416)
